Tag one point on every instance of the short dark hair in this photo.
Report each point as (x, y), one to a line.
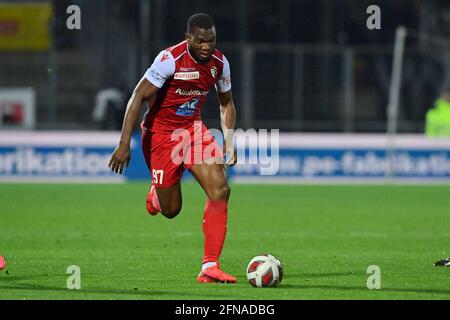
(200, 20)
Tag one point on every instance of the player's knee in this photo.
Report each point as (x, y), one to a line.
(171, 212)
(220, 193)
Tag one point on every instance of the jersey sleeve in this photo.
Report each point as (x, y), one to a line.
(162, 69)
(224, 82)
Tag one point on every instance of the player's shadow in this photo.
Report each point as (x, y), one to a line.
(12, 278)
(307, 276)
(135, 292)
(140, 292)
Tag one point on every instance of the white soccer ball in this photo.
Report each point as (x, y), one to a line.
(264, 271)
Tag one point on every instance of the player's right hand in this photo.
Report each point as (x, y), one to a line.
(120, 158)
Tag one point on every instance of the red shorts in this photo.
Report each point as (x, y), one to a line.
(168, 154)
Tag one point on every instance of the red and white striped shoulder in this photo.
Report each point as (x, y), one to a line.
(177, 50)
(218, 55)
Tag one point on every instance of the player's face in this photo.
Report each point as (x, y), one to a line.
(202, 42)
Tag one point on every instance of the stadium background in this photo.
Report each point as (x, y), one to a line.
(309, 68)
(297, 65)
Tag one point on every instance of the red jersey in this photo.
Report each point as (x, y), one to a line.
(184, 84)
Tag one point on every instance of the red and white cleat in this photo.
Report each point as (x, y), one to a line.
(152, 208)
(215, 273)
(203, 278)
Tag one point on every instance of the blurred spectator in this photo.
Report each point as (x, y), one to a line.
(438, 118)
(109, 108)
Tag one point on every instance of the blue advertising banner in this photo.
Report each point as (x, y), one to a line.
(57, 156)
(352, 164)
(293, 157)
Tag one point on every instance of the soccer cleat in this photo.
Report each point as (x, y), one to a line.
(149, 202)
(203, 278)
(215, 273)
(443, 263)
(2, 263)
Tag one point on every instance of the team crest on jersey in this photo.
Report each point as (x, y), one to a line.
(214, 72)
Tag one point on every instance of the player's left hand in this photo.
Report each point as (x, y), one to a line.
(230, 157)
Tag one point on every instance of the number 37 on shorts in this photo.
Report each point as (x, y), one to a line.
(158, 176)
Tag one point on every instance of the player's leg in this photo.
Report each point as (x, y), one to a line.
(165, 192)
(212, 178)
(167, 200)
(170, 200)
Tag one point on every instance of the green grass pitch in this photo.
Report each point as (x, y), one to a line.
(326, 237)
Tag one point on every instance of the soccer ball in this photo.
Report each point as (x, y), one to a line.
(264, 271)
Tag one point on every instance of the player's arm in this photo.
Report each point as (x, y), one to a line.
(121, 156)
(162, 69)
(227, 122)
(227, 112)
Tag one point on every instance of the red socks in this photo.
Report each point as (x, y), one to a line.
(214, 229)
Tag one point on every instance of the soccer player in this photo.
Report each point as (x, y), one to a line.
(175, 88)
